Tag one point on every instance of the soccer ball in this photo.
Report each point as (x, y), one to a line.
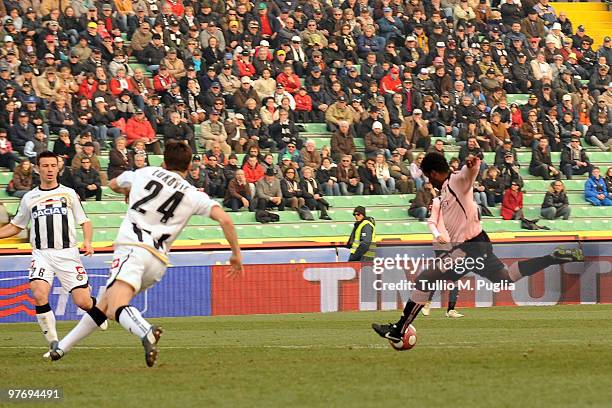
(408, 341)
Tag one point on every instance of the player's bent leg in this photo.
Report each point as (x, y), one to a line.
(44, 315)
(394, 331)
(119, 296)
(529, 267)
(81, 296)
(90, 321)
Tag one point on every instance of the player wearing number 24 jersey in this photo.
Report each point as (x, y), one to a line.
(160, 203)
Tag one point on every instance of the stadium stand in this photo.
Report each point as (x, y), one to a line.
(452, 34)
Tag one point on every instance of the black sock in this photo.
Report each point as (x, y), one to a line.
(411, 311)
(452, 299)
(97, 315)
(531, 266)
(42, 309)
(93, 299)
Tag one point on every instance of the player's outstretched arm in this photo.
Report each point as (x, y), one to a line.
(467, 175)
(9, 230)
(227, 225)
(87, 238)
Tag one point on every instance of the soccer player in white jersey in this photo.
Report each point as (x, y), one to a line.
(55, 211)
(161, 202)
(467, 240)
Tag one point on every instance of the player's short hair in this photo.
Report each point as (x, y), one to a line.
(177, 156)
(434, 162)
(45, 154)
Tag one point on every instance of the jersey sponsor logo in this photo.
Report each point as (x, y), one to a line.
(49, 211)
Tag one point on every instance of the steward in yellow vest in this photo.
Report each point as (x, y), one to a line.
(363, 237)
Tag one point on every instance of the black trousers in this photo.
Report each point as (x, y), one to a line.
(84, 193)
(263, 204)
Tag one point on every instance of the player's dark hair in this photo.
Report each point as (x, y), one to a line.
(46, 154)
(434, 162)
(177, 156)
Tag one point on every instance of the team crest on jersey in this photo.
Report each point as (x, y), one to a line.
(115, 263)
(81, 273)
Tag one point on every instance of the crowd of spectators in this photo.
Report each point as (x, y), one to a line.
(235, 77)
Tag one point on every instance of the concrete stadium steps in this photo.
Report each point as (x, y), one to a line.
(593, 15)
(599, 158)
(324, 229)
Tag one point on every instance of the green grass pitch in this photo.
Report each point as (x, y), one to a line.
(496, 357)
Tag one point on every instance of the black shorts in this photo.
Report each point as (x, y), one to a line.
(480, 250)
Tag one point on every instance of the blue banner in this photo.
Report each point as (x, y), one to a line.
(184, 291)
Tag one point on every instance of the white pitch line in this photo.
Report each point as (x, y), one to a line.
(241, 346)
(457, 345)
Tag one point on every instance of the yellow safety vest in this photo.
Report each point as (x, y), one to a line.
(371, 252)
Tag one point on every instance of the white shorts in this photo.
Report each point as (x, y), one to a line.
(136, 266)
(63, 263)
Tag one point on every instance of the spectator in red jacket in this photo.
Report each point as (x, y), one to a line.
(121, 83)
(512, 204)
(244, 65)
(253, 170)
(88, 87)
(289, 79)
(303, 106)
(163, 81)
(139, 128)
(391, 83)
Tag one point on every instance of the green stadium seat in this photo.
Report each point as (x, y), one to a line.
(316, 128)
(105, 207)
(103, 162)
(11, 207)
(5, 177)
(603, 158)
(5, 197)
(156, 160)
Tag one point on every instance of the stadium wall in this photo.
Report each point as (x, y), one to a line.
(295, 281)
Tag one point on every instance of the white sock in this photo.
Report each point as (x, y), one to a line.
(84, 328)
(132, 321)
(46, 321)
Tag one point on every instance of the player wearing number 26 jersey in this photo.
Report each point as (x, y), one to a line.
(53, 212)
(160, 204)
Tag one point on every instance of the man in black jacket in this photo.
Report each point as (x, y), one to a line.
(362, 241)
(541, 164)
(552, 129)
(216, 177)
(574, 159)
(22, 132)
(87, 181)
(153, 53)
(599, 134)
(178, 130)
